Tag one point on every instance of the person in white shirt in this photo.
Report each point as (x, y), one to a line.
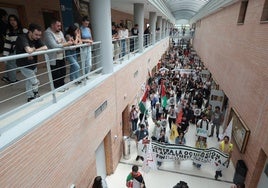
(123, 34)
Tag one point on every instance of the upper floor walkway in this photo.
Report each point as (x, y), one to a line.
(14, 107)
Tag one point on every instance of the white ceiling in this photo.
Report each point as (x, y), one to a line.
(185, 9)
(174, 10)
(127, 6)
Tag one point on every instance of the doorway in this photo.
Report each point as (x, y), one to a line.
(125, 122)
(101, 161)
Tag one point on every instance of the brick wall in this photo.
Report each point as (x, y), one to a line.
(61, 151)
(237, 57)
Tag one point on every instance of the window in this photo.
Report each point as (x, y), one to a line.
(242, 12)
(264, 16)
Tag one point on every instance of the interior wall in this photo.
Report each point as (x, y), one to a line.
(237, 57)
(61, 151)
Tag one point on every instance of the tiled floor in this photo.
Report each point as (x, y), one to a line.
(170, 173)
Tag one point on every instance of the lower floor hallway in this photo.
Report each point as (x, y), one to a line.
(171, 173)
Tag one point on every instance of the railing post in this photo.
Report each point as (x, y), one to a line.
(50, 78)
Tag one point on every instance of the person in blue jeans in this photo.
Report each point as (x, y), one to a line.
(73, 34)
(14, 29)
(29, 43)
(86, 56)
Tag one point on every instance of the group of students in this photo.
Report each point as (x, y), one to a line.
(17, 40)
(120, 34)
(185, 94)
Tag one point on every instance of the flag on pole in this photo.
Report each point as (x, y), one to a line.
(149, 162)
(227, 131)
(142, 104)
(149, 73)
(163, 95)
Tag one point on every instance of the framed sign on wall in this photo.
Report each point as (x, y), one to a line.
(240, 131)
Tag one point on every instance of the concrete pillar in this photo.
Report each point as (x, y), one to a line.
(159, 26)
(100, 12)
(167, 28)
(139, 19)
(152, 22)
(163, 28)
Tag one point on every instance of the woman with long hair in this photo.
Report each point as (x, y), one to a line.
(73, 34)
(14, 29)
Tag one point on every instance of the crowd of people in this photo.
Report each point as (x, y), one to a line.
(179, 98)
(17, 40)
(125, 40)
(53, 37)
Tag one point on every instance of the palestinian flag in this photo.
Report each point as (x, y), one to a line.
(163, 95)
(142, 104)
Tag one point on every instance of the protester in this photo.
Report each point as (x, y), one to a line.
(141, 135)
(157, 130)
(180, 140)
(217, 120)
(202, 144)
(134, 118)
(227, 148)
(162, 139)
(135, 179)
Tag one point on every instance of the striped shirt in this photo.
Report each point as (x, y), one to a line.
(10, 41)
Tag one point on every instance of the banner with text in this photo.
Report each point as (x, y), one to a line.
(172, 152)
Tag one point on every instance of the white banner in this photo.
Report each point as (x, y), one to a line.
(172, 152)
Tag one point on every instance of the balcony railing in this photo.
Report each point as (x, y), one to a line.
(123, 48)
(13, 95)
(13, 99)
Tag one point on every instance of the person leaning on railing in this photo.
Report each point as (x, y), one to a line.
(29, 43)
(54, 38)
(73, 35)
(86, 36)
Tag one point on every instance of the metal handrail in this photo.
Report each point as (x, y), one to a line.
(49, 91)
(19, 56)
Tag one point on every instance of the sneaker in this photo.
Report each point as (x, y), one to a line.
(210, 135)
(216, 177)
(62, 90)
(78, 83)
(13, 82)
(142, 158)
(137, 158)
(30, 99)
(36, 95)
(5, 79)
